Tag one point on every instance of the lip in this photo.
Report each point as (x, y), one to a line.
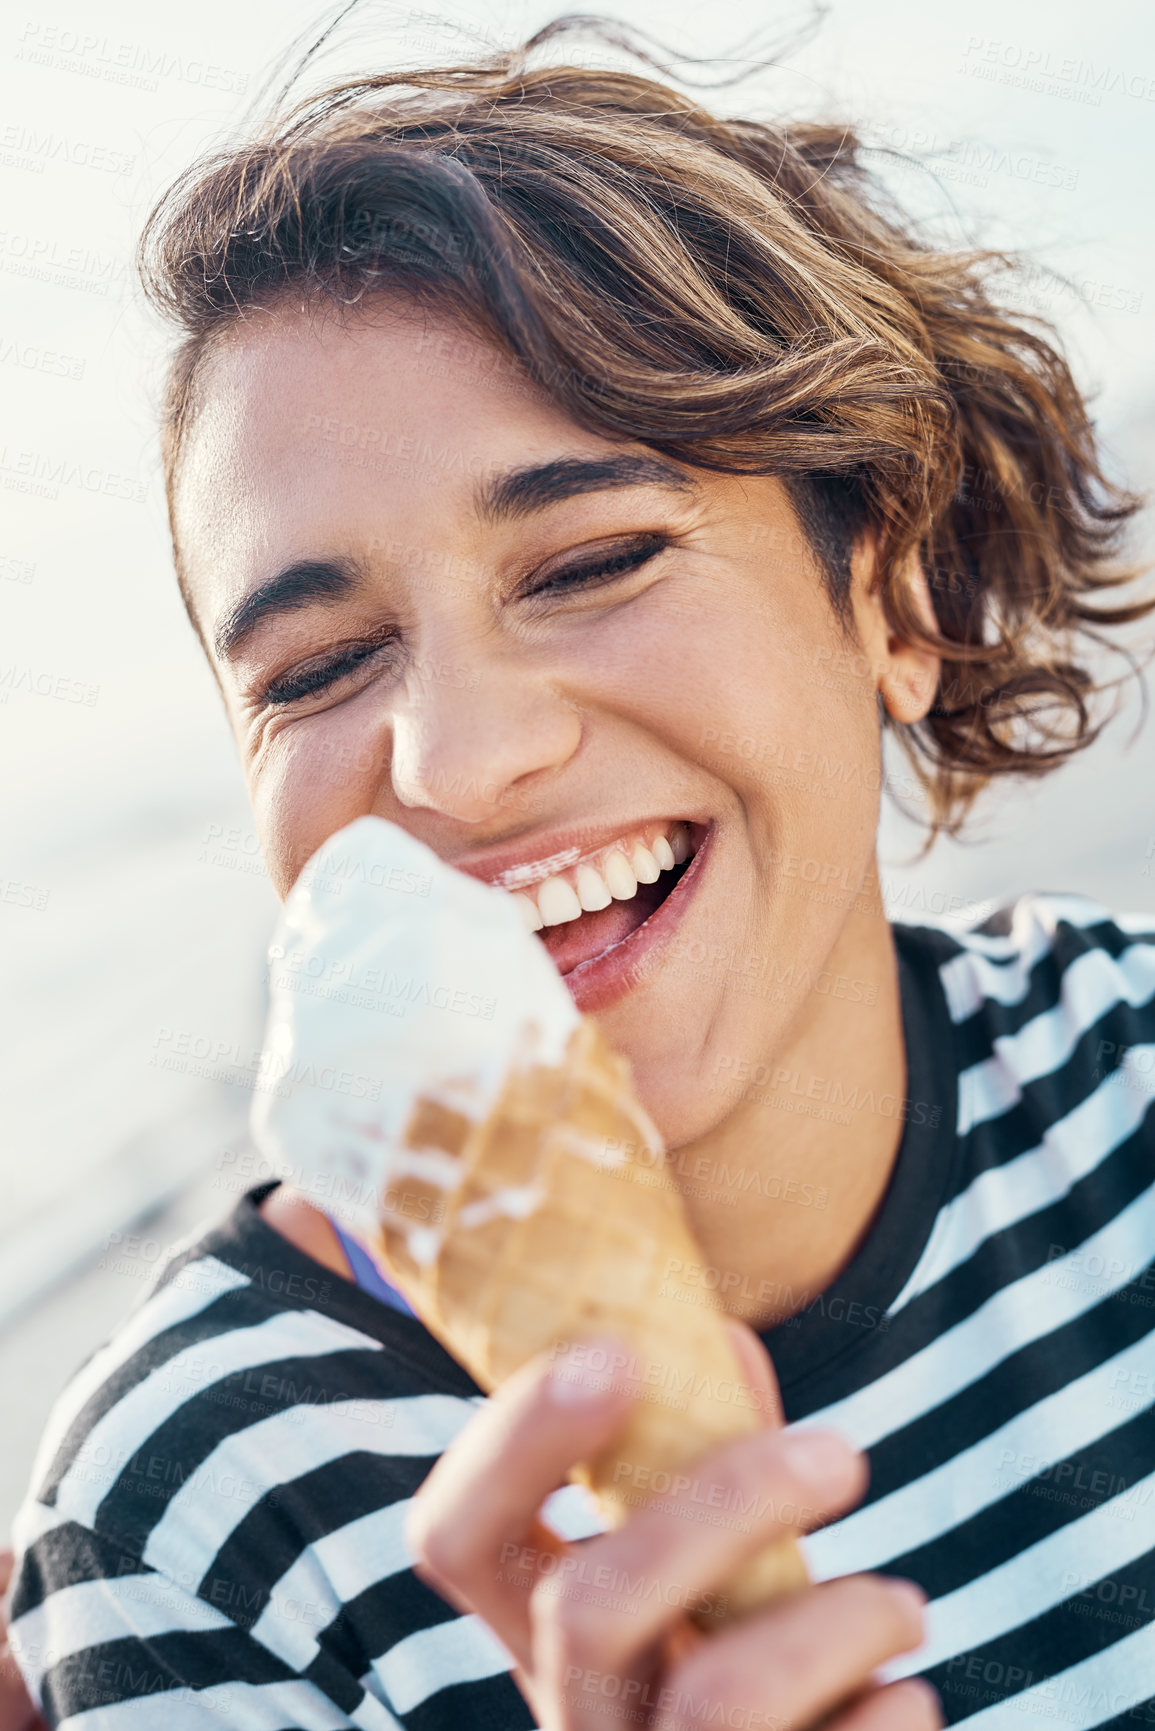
(604, 979)
(518, 867)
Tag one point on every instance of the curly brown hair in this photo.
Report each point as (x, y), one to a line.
(735, 294)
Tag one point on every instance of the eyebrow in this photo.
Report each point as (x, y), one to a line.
(519, 492)
(304, 583)
(502, 498)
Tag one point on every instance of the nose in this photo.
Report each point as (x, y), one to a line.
(472, 741)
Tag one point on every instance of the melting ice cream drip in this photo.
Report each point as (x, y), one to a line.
(514, 1201)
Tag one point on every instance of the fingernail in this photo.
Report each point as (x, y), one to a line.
(584, 1374)
(822, 1459)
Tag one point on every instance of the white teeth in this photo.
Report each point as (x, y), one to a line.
(620, 878)
(646, 868)
(527, 908)
(664, 854)
(557, 903)
(591, 890)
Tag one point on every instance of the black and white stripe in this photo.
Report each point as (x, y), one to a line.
(1005, 1477)
(216, 1527)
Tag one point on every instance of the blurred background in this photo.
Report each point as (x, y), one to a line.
(134, 909)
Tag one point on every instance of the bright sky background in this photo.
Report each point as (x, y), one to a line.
(128, 913)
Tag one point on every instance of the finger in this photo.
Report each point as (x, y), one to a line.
(7, 1563)
(759, 1372)
(520, 1564)
(473, 1526)
(667, 1561)
(911, 1705)
(17, 1712)
(810, 1653)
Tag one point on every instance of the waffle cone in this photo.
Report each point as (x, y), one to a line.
(565, 1225)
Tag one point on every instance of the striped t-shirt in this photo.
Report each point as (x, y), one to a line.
(214, 1533)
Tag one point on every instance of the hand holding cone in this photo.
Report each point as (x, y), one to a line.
(560, 1223)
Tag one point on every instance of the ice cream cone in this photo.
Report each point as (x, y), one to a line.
(552, 1220)
(427, 1075)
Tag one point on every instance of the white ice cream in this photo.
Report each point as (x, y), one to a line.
(392, 976)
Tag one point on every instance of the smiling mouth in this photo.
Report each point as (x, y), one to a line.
(600, 901)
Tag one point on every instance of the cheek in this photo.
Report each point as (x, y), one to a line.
(778, 710)
(752, 681)
(315, 777)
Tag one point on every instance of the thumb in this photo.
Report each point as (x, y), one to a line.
(759, 1373)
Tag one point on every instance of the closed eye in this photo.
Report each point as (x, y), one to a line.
(588, 573)
(306, 681)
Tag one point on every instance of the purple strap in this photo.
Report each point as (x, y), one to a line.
(366, 1272)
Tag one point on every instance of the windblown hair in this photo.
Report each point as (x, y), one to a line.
(737, 295)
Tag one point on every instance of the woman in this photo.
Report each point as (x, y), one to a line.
(582, 482)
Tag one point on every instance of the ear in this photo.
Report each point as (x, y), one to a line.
(905, 675)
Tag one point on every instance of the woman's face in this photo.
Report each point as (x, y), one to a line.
(431, 596)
